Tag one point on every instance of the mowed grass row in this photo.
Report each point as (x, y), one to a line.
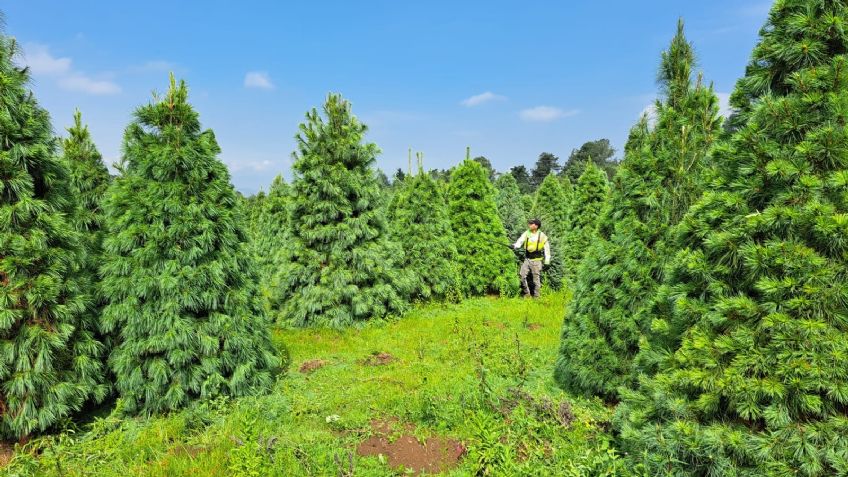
(479, 373)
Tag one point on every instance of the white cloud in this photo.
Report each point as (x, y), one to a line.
(152, 66)
(482, 98)
(258, 79)
(84, 84)
(42, 63)
(546, 113)
(254, 166)
(724, 104)
(651, 112)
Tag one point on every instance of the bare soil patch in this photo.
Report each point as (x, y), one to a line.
(191, 451)
(434, 455)
(378, 359)
(311, 365)
(7, 451)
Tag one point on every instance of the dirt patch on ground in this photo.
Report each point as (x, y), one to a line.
(7, 451)
(378, 359)
(311, 365)
(191, 451)
(544, 408)
(534, 326)
(395, 442)
(499, 325)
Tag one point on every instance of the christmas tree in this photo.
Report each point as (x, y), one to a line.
(90, 180)
(752, 367)
(550, 208)
(252, 207)
(339, 266)
(582, 212)
(177, 272)
(510, 207)
(420, 224)
(654, 186)
(485, 261)
(51, 362)
(271, 232)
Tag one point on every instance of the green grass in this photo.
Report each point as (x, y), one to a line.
(455, 371)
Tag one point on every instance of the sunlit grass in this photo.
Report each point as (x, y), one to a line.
(451, 374)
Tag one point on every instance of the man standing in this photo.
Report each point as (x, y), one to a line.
(537, 248)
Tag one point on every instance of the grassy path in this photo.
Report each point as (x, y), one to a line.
(475, 378)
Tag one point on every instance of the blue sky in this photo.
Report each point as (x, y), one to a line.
(510, 79)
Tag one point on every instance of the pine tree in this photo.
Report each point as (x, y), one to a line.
(271, 232)
(550, 207)
(609, 312)
(90, 180)
(527, 201)
(582, 212)
(252, 206)
(491, 173)
(485, 262)
(51, 360)
(178, 276)
(546, 164)
(522, 177)
(340, 266)
(599, 152)
(754, 379)
(419, 222)
(567, 188)
(510, 207)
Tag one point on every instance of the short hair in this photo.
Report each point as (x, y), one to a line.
(535, 221)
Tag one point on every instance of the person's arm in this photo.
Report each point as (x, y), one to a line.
(547, 251)
(520, 241)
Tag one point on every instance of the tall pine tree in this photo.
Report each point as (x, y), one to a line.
(550, 207)
(51, 360)
(271, 232)
(655, 184)
(340, 266)
(510, 207)
(583, 209)
(89, 178)
(419, 222)
(546, 164)
(177, 273)
(753, 377)
(485, 262)
(522, 178)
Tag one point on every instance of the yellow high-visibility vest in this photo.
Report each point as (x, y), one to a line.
(534, 245)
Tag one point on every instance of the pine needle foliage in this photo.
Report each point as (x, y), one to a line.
(656, 182)
(485, 262)
(550, 206)
(178, 276)
(340, 266)
(51, 359)
(271, 233)
(510, 206)
(751, 374)
(582, 212)
(90, 179)
(419, 222)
